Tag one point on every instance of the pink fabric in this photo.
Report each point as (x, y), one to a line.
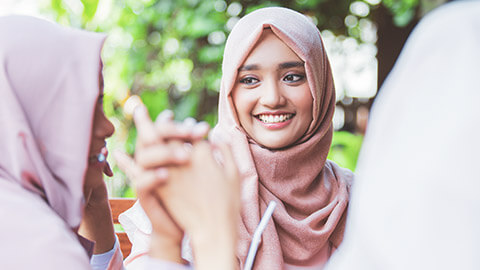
(48, 90)
(311, 192)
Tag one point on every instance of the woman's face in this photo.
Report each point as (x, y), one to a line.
(102, 128)
(271, 94)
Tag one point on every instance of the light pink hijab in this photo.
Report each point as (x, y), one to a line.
(48, 91)
(311, 192)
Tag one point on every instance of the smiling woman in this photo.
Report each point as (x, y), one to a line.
(276, 105)
(271, 95)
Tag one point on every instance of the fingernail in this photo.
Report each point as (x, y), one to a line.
(200, 129)
(164, 115)
(189, 122)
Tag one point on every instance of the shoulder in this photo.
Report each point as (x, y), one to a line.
(33, 235)
(340, 173)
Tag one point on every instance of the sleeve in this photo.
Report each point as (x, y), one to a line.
(110, 260)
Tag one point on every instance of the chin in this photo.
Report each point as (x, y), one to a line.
(274, 145)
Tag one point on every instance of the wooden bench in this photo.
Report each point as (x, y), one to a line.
(118, 206)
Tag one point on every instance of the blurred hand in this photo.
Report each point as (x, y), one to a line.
(203, 198)
(203, 191)
(166, 234)
(159, 145)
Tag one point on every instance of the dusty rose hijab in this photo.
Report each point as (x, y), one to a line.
(48, 90)
(311, 192)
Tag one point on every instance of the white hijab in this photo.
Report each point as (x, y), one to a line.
(416, 201)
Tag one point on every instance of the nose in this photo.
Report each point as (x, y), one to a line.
(106, 128)
(272, 95)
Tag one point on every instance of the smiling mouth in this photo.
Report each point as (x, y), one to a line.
(274, 119)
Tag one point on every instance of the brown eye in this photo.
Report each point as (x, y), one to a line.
(292, 78)
(249, 80)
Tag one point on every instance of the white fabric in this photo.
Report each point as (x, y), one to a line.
(416, 201)
(138, 227)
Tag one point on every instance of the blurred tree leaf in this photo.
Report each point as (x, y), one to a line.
(345, 149)
(155, 101)
(187, 107)
(89, 9)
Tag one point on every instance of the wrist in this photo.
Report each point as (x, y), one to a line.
(165, 248)
(214, 248)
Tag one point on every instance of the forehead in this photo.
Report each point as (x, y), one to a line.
(270, 50)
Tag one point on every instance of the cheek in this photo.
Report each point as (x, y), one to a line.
(305, 102)
(242, 105)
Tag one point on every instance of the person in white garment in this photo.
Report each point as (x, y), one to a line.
(416, 202)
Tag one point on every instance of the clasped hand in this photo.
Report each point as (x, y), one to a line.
(184, 184)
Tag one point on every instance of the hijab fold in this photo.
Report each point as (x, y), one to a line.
(311, 192)
(48, 88)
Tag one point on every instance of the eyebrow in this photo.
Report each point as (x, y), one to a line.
(280, 66)
(290, 65)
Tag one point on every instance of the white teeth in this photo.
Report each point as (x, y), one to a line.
(275, 119)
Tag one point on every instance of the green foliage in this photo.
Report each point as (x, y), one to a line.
(403, 10)
(169, 52)
(345, 149)
(89, 10)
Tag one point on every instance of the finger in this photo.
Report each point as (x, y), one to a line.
(135, 173)
(151, 180)
(126, 164)
(200, 130)
(164, 116)
(145, 129)
(169, 130)
(229, 163)
(189, 122)
(170, 154)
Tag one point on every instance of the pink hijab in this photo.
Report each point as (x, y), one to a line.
(48, 90)
(311, 192)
